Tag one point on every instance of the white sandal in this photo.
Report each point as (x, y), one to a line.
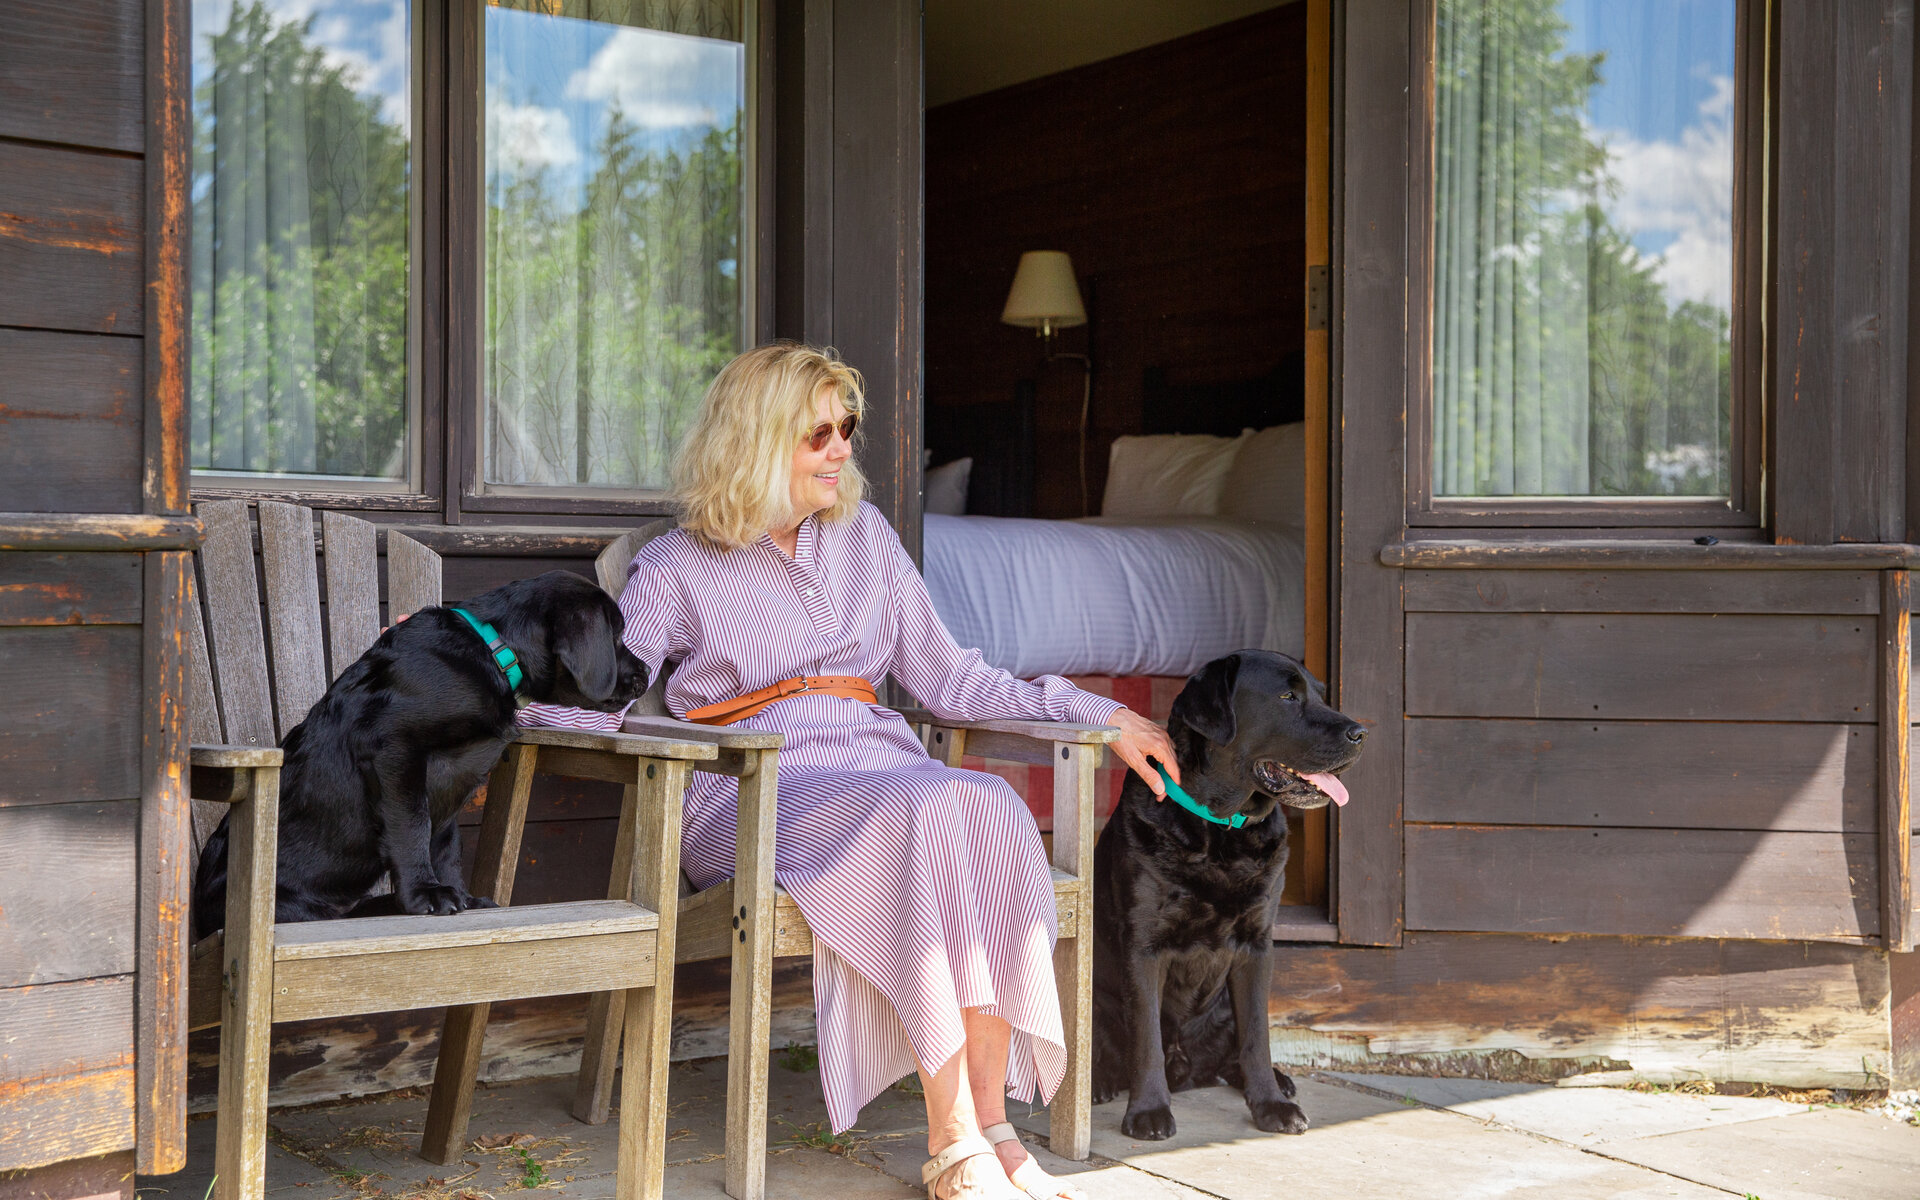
(1030, 1178)
(953, 1156)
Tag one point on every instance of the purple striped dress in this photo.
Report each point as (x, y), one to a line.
(927, 888)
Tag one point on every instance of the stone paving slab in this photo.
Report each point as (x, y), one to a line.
(1819, 1154)
(1361, 1144)
(1578, 1116)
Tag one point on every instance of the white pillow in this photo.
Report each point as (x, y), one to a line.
(946, 488)
(1166, 475)
(1268, 479)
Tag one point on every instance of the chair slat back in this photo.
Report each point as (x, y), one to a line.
(413, 577)
(235, 640)
(353, 588)
(293, 610)
(203, 711)
(610, 568)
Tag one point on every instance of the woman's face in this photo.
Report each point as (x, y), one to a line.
(816, 473)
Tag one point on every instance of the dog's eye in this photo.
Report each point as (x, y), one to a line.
(1289, 696)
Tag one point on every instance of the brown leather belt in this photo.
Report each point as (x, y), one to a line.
(726, 712)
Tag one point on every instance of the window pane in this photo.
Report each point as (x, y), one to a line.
(612, 271)
(302, 115)
(1583, 247)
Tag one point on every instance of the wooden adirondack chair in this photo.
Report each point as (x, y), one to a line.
(750, 920)
(256, 972)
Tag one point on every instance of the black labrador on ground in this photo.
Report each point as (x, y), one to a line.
(1183, 908)
(374, 777)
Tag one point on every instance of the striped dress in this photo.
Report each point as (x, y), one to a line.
(927, 888)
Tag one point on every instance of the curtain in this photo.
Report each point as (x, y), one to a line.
(1565, 363)
(300, 252)
(613, 232)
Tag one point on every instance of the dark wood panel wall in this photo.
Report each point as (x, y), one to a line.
(1175, 177)
(93, 147)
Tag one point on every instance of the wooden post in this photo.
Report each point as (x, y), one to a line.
(750, 1006)
(1070, 1131)
(1896, 810)
(464, 1029)
(654, 882)
(246, 1019)
(1315, 846)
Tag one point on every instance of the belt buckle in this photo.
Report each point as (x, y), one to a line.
(804, 687)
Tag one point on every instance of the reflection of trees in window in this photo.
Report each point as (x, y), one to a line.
(300, 260)
(1561, 364)
(607, 319)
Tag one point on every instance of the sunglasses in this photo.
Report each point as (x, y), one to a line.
(817, 440)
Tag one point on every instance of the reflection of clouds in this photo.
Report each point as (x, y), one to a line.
(1684, 189)
(367, 39)
(663, 80)
(529, 135)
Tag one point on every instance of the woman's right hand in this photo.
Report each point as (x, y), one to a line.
(1140, 740)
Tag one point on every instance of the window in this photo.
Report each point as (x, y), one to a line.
(1590, 256)
(303, 263)
(470, 253)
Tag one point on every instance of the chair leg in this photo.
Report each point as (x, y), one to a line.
(654, 881)
(1070, 1116)
(464, 1029)
(246, 1024)
(606, 1011)
(750, 1005)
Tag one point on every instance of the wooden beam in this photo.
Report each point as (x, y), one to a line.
(1315, 846)
(97, 531)
(1896, 769)
(1543, 553)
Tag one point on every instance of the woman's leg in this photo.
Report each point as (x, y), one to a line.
(952, 1115)
(986, 1055)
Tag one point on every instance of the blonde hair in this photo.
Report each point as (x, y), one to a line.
(732, 478)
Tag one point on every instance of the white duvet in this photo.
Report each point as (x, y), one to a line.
(1115, 596)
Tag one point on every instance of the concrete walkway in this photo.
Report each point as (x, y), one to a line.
(1373, 1136)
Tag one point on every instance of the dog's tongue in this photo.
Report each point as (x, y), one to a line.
(1336, 790)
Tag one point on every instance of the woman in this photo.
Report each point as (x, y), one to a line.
(927, 888)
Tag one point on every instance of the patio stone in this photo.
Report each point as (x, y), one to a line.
(1818, 1154)
(1578, 1116)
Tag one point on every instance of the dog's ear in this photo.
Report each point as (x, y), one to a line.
(588, 648)
(1205, 705)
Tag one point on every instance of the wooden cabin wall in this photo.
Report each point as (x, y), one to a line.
(93, 548)
(1175, 177)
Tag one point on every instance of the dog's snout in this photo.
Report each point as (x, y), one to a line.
(1356, 734)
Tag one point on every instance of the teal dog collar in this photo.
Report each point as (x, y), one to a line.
(503, 655)
(1193, 806)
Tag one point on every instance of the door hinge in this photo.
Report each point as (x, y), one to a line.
(1319, 297)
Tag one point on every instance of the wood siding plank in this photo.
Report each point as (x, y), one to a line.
(232, 594)
(71, 247)
(70, 714)
(67, 888)
(1801, 1014)
(72, 408)
(353, 588)
(1662, 882)
(71, 71)
(1643, 591)
(293, 610)
(76, 1116)
(69, 589)
(1683, 775)
(66, 1070)
(1638, 666)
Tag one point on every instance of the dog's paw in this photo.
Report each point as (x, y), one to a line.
(1286, 1083)
(436, 899)
(1278, 1116)
(1103, 1092)
(1153, 1124)
(483, 902)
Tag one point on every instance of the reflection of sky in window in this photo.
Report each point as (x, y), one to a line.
(367, 37)
(554, 84)
(1664, 108)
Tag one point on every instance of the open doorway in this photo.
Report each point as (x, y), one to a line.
(1127, 495)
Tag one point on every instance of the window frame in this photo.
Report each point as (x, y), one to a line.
(1755, 133)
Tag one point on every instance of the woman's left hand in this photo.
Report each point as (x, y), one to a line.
(1141, 739)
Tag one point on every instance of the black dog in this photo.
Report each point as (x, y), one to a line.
(1183, 908)
(375, 775)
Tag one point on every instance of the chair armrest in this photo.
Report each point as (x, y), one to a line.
(1040, 731)
(727, 737)
(234, 756)
(607, 742)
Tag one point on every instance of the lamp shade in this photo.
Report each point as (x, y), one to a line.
(1044, 294)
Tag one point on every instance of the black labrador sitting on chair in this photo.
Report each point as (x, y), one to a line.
(1184, 905)
(375, 776)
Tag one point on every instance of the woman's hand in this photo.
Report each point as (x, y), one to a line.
(1141, 739)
